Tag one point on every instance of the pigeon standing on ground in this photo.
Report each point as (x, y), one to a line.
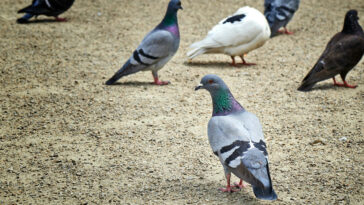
(279, 13)
(156, 49)
(235, 35)
(342, 53)
(236, 137)
(45, 7)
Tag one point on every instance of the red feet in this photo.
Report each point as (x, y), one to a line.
(233, 63)
(285, 31)
(244, 63)
(240, 185)
(61, 19)
(158, 82)
(230, 188)
(345, 84)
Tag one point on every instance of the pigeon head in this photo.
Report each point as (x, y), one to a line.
(170, 19)
(223, 101)
(212, 83)
(175, 5)
(351, 24)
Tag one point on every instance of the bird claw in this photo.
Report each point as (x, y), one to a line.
(345, 85)
(229, 189)
(285, 31)
(239, 186)
(161, 82)
(61, 19)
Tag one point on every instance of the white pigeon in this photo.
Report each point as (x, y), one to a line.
(235, 35)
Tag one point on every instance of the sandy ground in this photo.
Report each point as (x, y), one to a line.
(65, 138)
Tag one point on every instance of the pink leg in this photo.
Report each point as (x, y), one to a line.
(60, 19)
(345, 84)
(240, 185)
(245, 63)
(285, 31)
(228, 187)
(158, 82)
(233, 59)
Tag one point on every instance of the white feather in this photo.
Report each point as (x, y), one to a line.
(237, 38)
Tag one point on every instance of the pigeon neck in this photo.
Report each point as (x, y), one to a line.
(170, 22)
(170, 19)
(224, 103)
(351, 27)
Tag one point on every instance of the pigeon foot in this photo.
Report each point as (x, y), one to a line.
(345, 84)
(240, 186)
(158, 82)
(229, 189)
(285, 31)
(244, 63)
(61, 19)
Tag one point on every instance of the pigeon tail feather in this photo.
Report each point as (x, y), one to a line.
(265, 194)
(123, 71)
(196, 52)
(306, 86)
(199, 48)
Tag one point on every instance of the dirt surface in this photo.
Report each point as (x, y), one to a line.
(66, 138)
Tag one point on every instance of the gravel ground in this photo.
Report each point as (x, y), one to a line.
(65, 138)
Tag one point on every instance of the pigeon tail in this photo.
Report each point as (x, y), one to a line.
(123, 71)
(306, 86)
(196, 52)
(265, 194)
(25, 18)
(199, 48)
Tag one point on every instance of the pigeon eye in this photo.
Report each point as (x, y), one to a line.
(211, 81)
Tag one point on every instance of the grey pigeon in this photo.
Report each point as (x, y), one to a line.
(279, 13)
(236, 137)
(156, 49)
(342, 53)
(45, 7)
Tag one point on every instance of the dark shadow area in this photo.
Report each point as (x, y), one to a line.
(40, 21)
(135, 83)
(325, 86)
(214, 64)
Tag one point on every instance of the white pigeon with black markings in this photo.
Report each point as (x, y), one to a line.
(236, 137)
(246, 30)
(156, 49)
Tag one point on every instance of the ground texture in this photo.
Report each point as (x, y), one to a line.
(66, 138)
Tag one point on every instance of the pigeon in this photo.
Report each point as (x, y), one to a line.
(156, 49)
(45, 7)
(236, 137)
(235, 35)
(342, 53)
(279, 13)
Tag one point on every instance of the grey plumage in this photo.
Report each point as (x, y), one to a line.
(156, 49)
(279, 13)
(236, 137)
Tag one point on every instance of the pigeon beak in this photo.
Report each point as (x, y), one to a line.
(198, 87)
(180, 7)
